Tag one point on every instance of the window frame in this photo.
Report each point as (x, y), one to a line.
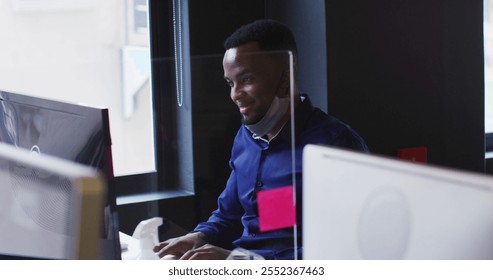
(163, 182)
(489, 142)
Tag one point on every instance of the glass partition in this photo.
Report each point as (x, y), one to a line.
(213, 138)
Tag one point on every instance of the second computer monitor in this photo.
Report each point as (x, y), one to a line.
(78, 133)
(49, 208)
(360, 206)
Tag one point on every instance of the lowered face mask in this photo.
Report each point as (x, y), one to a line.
(276, 111)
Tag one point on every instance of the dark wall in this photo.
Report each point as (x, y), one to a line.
(407, 73)
(211, 21)
(307, 21)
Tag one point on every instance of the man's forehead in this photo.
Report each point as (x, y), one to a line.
(230, 55)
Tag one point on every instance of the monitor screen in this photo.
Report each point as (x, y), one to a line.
(69, 131)
(360, 206)
(74, 132)
(50, 208)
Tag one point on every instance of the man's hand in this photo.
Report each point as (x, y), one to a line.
(180, 245)
(206, 252)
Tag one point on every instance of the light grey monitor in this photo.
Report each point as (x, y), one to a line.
(360, 206)
(50, 208)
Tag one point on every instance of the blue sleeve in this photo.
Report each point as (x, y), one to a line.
(224, 225)
(348, 138)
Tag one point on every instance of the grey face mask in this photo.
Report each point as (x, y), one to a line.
(276, 111)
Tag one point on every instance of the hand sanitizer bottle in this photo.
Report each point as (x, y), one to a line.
(147, 234)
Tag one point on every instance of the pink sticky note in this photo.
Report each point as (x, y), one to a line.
(276, 208)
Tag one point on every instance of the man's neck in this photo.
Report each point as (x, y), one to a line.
(284, 119)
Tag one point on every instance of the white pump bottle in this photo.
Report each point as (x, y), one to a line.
(147, 234)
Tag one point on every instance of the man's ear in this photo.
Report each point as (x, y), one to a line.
(284, 84)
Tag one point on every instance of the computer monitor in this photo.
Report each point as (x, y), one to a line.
(73, 132)
(50, 208)
(70, 131)
(361, 206)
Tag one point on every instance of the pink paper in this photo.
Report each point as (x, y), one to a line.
(276, 208)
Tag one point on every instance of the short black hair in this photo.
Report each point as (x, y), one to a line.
(271, 35)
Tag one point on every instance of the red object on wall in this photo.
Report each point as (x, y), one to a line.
(416, 154)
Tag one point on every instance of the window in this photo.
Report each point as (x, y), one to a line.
(488, 75)
(85, 52)
(98, 53)
(171, 85)
(488, 64)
